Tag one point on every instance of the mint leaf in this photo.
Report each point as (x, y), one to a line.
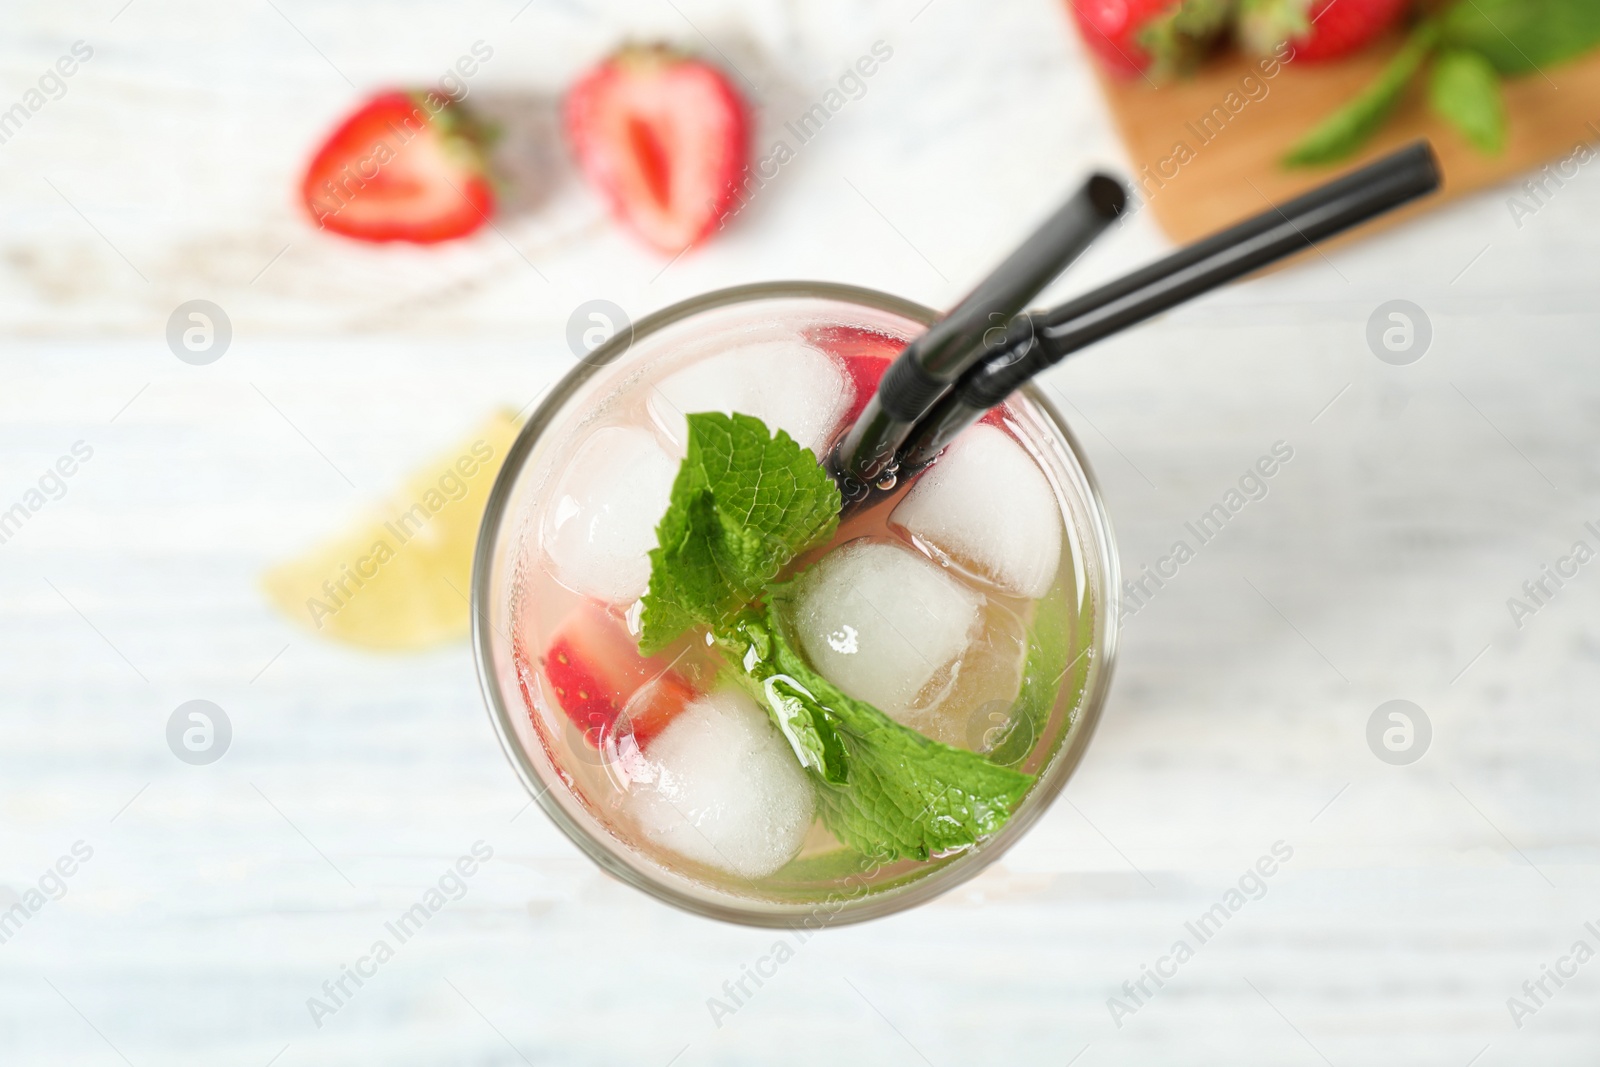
(810, 730)
(1346, 130)
(1523, 36)
(902, 795)
(1464, 90)
(744, 504)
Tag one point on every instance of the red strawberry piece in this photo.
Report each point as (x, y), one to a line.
(1131, 37)
(1316, 29)
(605, 686)
(654, 705)
(996, 417)
(865, 353)
(403, 167)
(665, 139)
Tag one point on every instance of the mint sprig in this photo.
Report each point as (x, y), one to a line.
(745, 503)
(1477, 43)
(884, 789)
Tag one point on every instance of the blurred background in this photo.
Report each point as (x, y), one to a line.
(160, 909)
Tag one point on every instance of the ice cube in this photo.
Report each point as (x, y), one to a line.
(724, 788)
(986, 507)
(972, 704)
(785, 384)
(884, 624)
(602, 520)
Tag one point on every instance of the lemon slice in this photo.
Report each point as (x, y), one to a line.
(400, 580)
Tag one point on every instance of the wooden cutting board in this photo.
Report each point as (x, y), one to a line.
(1205, 150)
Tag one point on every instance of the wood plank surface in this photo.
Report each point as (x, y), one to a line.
(220, 898)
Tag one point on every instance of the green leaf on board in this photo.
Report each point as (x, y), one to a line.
(1464, 90)
(1343, 133)
(1523, 36)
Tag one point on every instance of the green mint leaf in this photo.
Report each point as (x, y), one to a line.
(1464, 90)
(809, 729)
(901, 795)
(1051, 639)
(1346, 130)
(744, 504)
(1523, 36)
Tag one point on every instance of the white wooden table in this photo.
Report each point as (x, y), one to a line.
(219, 898)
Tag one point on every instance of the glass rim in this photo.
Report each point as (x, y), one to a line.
(757, 912)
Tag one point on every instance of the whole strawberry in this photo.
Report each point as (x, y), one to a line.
(1316, 29)
(404, 166)
(1150, 37)
(665, 138)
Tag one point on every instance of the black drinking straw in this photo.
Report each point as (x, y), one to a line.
(929, 365)
(1043, 339)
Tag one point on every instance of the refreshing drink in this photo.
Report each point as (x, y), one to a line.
(735, 699)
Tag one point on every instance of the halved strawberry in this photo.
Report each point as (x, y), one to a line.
(605, 687)
(1317, 29)
(403, 167)
(665, 138)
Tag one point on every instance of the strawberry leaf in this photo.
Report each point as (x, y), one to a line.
(1346, 130)
(1464, 90)
(1263, 25)
(1178, 40)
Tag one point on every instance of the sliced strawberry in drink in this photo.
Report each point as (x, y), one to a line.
(654, 705)
(665, 138)
(403, 167)
(605, 686)
(865, 353)
(589, 702)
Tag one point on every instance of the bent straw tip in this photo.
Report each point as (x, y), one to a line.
(1107, 195)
